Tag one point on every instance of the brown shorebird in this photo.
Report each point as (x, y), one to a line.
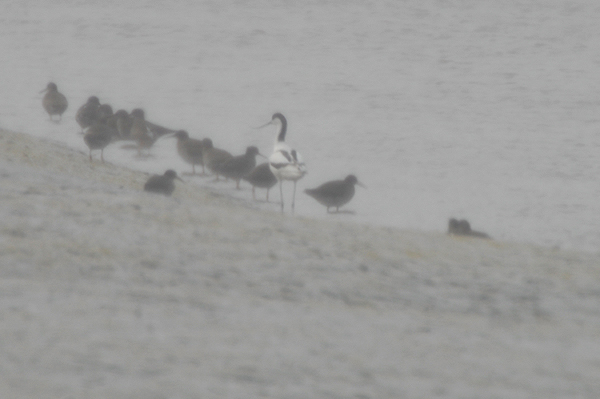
(104, 112)
(239, 166)
(139, 131)
(112, 122)
(261, 177)
(162, 184)
(190, 150)
(335, 193)
(463, 228)
(213, 157)
(54, 103)
(97, 137)
(123, 122)
(87, 114)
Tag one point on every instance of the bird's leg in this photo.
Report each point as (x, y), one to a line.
(281, 193)
(294, 197)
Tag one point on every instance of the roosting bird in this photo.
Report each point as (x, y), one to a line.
(463, 228)
(162, 184)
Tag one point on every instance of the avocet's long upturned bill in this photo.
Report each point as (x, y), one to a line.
(285, 162)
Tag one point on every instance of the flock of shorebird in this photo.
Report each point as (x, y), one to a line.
(100, 127)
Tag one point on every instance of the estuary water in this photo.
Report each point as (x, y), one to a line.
(479, 110)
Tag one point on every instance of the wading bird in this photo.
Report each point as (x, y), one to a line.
(285, 162)
(335, 193)
(54, 102)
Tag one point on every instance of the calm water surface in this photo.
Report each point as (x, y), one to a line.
(442, 109)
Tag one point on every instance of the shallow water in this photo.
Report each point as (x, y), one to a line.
(442, 109)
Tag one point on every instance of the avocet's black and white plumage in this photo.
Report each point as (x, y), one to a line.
(285, 162)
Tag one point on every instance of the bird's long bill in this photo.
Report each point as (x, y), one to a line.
(265, 125)
(46, 89)
(360, 184)
(180, 179)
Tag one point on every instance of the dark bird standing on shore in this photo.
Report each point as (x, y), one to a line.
(463, 228)
(87, 114)
(213, 157)
(139, 131)
(190, 149)
(162, 184)
(97, 137)
(239, 166)
(54, 102)
(335, 193)
(261, 177)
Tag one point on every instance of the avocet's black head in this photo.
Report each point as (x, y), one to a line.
(279, 115)
(93, 100)
(182, 135)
